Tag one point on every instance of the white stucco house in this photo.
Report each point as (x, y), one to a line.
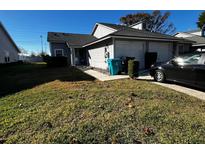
(198, 36)
(8, 49)
(114, 41)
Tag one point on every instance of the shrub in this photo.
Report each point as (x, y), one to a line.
(12, 63)
(55, 61)
(126, 63)
(150, 59)
(133, 68)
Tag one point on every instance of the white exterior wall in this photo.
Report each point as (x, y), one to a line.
(102, 31)
(138, 26)
(96, 55)
(197, 33)
(164, 50)
(7, 48)
(130, 48)
(183, 35)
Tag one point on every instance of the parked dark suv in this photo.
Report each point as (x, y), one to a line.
(188, 69)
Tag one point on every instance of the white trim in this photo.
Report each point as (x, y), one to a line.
(133, 38)
(96, 41)
(59, 49)
(95, 27)
(148, 39)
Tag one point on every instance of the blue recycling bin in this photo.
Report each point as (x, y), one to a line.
(115, 66)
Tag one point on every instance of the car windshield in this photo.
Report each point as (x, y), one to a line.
(188, 59)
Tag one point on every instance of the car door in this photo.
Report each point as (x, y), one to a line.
(187, 72)
(200, 72)
(182, 68)
(172, 71)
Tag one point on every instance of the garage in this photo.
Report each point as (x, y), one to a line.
(130, 48)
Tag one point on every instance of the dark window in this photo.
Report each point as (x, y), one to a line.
(189, 59)
(7, 59)
(59, 52)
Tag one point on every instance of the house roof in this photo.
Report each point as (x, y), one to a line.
(70, 38)
(131, 32)
(197, 39)
(10, 38)
(128, 32)
(120, 31)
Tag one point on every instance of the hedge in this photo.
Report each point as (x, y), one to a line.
(55, 61)
(133, 68)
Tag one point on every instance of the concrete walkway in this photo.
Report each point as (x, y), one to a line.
(192, 92)
(104, 77)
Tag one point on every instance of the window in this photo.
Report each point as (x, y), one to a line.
(189, 59)
(7, 59)
(59, 52)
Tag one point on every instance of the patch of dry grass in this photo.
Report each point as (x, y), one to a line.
(123, 111)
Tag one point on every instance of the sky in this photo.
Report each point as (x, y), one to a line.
(26, 27)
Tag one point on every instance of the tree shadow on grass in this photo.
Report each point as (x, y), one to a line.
(25, 76)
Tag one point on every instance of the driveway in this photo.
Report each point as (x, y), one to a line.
(179, 88)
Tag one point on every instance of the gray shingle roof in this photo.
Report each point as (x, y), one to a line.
(71, 39)
(131, 32)
(123, 30)
(197, 39)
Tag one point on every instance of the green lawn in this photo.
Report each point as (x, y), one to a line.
(63, 105)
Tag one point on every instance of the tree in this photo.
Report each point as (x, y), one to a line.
(24, 51)
(42, 54)
(155, 21)
(201, 20)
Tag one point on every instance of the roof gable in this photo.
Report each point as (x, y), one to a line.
(9, 37)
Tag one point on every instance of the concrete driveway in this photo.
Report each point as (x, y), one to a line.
(179, 88)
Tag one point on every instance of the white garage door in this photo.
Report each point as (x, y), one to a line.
(97, 58)
(130, 49)
(164, 50)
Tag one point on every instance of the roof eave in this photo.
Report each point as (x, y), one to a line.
(145, 38)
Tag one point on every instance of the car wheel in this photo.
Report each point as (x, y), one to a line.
(159, 76)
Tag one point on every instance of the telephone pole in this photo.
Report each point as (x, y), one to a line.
(41, 43)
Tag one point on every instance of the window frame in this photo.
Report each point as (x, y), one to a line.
(62, 51)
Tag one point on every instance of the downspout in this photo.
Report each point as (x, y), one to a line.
(113, 42)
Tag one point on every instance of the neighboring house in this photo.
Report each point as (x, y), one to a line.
(28, 58)
(198, 36)
(8, 49)
(114, 41)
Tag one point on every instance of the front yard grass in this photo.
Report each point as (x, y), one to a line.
(62, 109)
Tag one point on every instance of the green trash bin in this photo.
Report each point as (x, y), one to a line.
(115, 66)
